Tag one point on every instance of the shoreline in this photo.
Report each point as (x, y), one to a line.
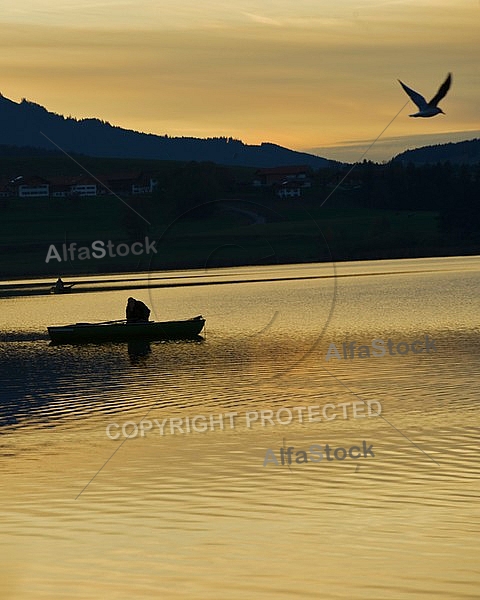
(172, 278)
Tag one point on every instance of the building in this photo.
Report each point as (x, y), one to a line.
(130, 184)
(31, 187)
(287, 182)
(279, 175)
(73, 186)
(144, 184)
(288, 189)
(84, 186)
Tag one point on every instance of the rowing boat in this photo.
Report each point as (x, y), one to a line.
(61, 290)
(115, 331)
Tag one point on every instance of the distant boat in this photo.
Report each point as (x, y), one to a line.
(120, 331)
(61, 290)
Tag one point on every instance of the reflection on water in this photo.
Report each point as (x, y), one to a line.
(189, 514)
(138, 350)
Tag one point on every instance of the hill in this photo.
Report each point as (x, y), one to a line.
(26, 124)
(467, 152)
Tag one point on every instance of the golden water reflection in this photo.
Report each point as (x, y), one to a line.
(197, 515)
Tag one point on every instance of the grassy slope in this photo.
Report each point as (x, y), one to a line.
(222, 238)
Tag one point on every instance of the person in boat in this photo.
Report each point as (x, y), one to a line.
(59, 285)
(137, 311)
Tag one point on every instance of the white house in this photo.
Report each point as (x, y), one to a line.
(31, 187)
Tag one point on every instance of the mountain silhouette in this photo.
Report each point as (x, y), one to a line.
(467, 153)
(29, 124)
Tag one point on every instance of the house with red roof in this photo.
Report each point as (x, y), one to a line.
(32, 186)
(287, 182)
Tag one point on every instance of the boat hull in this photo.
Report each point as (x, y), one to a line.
(83, 333)
(65, 290)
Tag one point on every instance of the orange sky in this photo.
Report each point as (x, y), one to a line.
(306, 74)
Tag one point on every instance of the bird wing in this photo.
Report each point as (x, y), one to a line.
(442, 91)
(417, 98)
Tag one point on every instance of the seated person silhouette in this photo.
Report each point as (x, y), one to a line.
(137, 311)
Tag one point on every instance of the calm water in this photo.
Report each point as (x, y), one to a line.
(197, 515)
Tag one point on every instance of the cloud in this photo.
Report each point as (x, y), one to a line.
(263, 20)
(388, 147)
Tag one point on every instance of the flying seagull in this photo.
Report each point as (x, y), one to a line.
(428, 109)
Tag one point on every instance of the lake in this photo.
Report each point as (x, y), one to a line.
(196, 503)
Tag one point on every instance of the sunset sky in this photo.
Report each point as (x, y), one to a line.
(310, 75)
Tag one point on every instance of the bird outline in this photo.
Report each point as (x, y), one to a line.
(428, 109)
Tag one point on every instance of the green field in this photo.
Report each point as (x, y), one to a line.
(230, 233)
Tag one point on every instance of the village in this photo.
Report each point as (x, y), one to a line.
(35, 186)
(284, 181)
